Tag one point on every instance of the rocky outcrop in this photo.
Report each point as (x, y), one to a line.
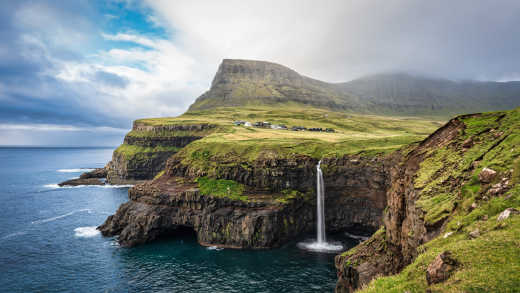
(133, 169)
(82, 181)
(441, 268)
(93, 177)
(158, 209)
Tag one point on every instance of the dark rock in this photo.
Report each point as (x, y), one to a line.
(487, 175)
(441, 268)
(468, 143)
(81, 181)
(96, 173)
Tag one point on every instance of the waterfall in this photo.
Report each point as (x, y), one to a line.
(320, 198)
(320, 245)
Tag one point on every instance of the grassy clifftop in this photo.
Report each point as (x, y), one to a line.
(352, 133)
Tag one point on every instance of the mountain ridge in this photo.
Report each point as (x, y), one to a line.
(240, 82)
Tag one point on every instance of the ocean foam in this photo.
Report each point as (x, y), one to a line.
(56, 186)
(86, 232)
(60, 216)
(215, 248)
(74, 170)
(320, 246)
(357, 237)
(13, 235)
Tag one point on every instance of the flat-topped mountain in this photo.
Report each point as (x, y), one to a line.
(254, 83)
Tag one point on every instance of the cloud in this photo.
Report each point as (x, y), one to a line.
(340, 40)
(94, 64)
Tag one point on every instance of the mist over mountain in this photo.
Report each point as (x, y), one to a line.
(254, 83)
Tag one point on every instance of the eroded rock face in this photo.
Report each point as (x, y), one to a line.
(144, 165)
(405, 229)
(441, 268)
(158, 209)
(355, 199)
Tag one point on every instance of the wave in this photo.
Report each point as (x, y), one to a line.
(60, 216)
(13, 235)
(75, 170)
(56, 186)
(86, 232)
(215, 248)
(357, 237)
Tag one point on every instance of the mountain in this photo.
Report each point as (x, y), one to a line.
(254, 83)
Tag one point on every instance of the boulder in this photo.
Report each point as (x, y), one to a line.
(487, 175)
(441, 268)
(507, 213)
(474, 234)
(468, 143)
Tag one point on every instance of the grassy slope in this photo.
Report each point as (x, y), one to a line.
(354, 133)
(490, 263)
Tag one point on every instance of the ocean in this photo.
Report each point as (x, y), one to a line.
(48, 240)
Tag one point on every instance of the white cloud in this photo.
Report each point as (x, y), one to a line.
(161, 80)
(338, 40)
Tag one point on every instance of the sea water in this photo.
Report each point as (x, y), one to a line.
(48, 240)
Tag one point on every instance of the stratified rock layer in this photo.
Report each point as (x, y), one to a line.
(160, 207)
(146, 149)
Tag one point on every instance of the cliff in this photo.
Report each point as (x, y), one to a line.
(146, 148)
(263, 213)
(443, 206)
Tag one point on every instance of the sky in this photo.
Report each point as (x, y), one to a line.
(79, 72)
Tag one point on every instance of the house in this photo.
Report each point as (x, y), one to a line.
(263, 124)
(298, 128)
(247, 124)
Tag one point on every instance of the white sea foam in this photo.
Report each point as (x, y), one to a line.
(60, 216)
(320, 246)
(13, 235)
(86, 232)
(75, 170)
(357, 237)
(56, 186)
(215, 248)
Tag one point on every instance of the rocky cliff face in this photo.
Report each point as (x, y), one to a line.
(146, 148)
(158, 208)
(429, 184)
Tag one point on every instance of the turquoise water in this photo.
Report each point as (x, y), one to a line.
(48, 242)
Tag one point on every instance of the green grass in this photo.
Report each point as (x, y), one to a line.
(131, 151)
(226, 144)
(221, 188)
